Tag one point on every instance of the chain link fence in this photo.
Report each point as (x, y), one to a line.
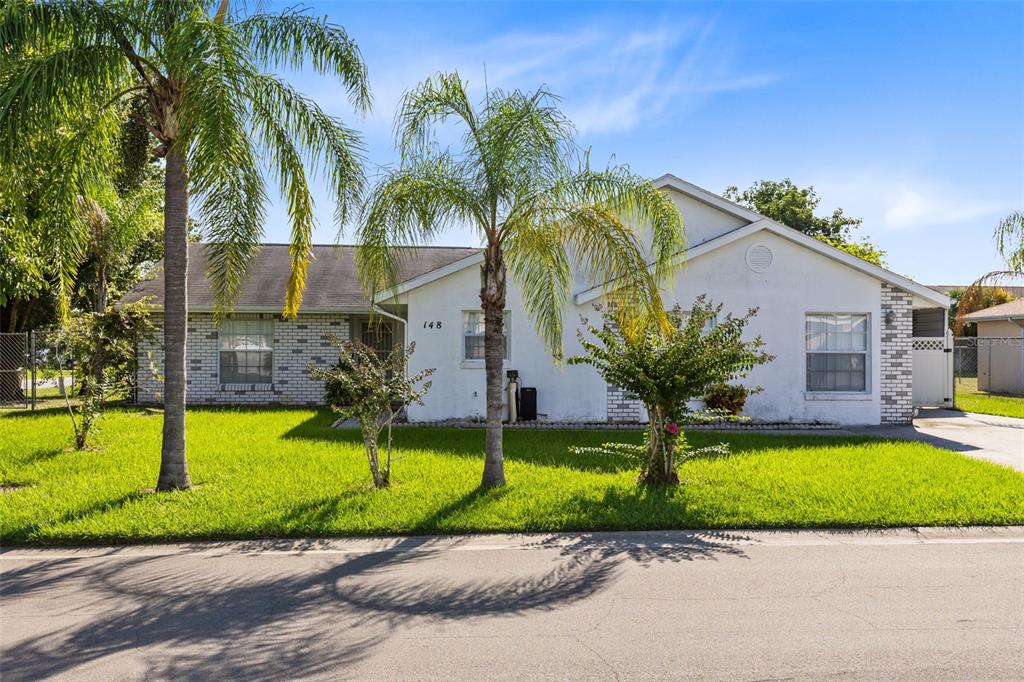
(965, 357)
(33, 369)
(990, 364)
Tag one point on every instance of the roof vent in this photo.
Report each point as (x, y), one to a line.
(759, 258)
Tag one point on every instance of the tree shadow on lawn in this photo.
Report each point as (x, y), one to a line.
(23, 534)
(551, 447)
(227, 616)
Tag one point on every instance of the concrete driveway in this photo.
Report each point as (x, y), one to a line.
(996, 439)
(909, 604)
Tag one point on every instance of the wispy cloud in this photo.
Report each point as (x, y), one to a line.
(610, 79)
(908, 201)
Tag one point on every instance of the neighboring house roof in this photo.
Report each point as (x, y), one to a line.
(1014, 310)
(332, 282)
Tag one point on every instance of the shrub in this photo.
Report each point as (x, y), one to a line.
(666, 363)
(728, 398)
(99, 350)
(372, 390)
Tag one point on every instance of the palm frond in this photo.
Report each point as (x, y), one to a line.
(1010, 240)
(330, 149)
(293, 38)
(636, 201)
(536, 257)
(296, 134)
(40, 91)
(409, 206)
(432, 102)
(222, 160)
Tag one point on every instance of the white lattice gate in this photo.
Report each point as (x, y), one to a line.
(933, 371)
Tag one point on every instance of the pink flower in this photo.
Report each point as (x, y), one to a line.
(672, 428)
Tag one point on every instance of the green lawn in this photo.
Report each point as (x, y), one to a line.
(970, 399)
(265, 473)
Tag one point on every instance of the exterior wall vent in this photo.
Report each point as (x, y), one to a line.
(759, 258)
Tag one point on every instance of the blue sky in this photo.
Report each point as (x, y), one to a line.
(910, 116)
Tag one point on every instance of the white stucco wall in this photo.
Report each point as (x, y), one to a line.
(458, 387)
(798, 282)
(702, 222)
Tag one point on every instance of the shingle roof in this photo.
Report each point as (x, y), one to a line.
(1013, 310)
(332, 282)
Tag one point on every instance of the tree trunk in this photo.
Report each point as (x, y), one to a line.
(380, 479)
(661, 464)
(492, 298)
(99, 303)
(173, 464)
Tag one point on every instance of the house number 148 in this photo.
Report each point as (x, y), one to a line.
(432, 324)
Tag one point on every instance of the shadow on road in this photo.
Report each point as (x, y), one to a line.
(240, 615)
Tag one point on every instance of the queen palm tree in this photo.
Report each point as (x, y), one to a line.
(1009, 236)
(518, 180)
(218, 117)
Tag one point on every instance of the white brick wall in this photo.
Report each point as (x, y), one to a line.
(297, 342)
(622, 407)
(897, 356)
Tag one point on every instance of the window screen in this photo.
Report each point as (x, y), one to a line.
(473, 335)
(837, 352)
(246, 351)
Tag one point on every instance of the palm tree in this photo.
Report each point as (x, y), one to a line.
(517, 181)
(1009, 236)
(216, 113)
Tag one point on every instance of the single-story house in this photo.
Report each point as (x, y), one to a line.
(1000, 345)
(853, 343)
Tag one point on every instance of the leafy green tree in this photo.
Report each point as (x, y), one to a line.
(666, 367)
(101, 347)
(373, 390)
(118, 226)
(784, 202)
(216, 112)
(515, 178)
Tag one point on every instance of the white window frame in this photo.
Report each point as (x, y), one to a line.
(709, 323)
(839, 394)
(221, 334)
(476, 363)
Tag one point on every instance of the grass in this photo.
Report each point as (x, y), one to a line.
(280, 472)
(970, 399)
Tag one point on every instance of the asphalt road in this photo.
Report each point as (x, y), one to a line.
(928, 604)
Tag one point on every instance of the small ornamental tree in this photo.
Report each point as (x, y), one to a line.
(373, 389)
(667, 364)
(100, 347)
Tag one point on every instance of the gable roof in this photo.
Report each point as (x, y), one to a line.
(759, 223)
(332, 282)
(1014, 310)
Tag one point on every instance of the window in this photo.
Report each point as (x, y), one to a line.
(246, 351)
(709, 323)
(837, 353)
(473, 335)
(378, 335)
